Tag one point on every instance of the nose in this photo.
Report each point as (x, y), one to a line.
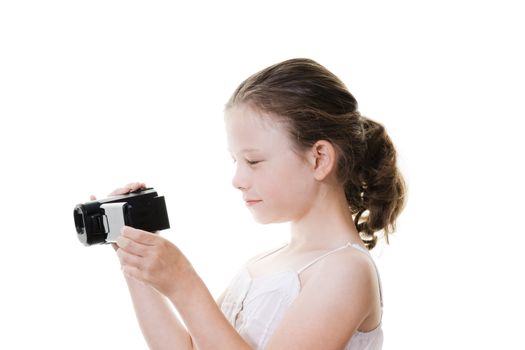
(239, 180)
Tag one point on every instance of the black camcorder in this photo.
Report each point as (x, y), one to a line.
(100, 221)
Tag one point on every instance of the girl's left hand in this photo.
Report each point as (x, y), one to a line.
(151, 259)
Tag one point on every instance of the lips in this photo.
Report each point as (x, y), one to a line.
(250, 202)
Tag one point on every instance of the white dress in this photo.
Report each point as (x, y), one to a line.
(255, 306)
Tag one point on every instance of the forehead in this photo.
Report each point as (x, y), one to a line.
(249, 130)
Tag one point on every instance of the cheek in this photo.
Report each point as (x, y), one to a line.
(290, 186)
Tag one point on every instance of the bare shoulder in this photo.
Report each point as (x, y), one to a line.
(351, 265)
(331, 306)
(349, 269)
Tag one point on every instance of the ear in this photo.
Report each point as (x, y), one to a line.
(322, 158)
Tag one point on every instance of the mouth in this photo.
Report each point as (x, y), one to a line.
(252, 202)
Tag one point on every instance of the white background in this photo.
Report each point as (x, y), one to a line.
(96, 94)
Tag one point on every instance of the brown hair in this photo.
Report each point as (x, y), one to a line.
(315, 106)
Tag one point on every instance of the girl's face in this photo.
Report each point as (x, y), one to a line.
(267, 168)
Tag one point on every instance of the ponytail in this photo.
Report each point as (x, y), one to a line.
(381, 190)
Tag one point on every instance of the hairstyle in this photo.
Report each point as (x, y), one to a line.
(315, 105)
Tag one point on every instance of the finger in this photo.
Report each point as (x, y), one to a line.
(122, 190)
(131, 246)
(133, 272)
(93, 198)
(128, 259)
(139, 236)
(133, 186)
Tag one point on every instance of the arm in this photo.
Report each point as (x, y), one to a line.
(206, 323)
(159, 324)
(150, 259)
(330, 307)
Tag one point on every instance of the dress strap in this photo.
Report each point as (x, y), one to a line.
(358, 247)
(269, 253)
(320, 257)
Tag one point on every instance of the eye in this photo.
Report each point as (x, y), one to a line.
(252, 163)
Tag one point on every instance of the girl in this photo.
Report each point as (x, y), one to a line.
(304, 155)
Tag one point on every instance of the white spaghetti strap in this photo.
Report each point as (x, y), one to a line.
(320, 257)
(269, 253)
(358, 247)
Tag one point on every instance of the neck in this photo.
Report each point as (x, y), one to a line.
(327, 224)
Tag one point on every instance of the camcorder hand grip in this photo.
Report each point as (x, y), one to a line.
(100, 221)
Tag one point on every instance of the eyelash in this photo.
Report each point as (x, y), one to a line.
(249, 162)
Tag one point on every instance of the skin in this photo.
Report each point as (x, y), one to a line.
(300, 189)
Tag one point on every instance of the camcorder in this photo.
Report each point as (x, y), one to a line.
(100, 221)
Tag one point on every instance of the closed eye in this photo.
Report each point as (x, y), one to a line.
(248, 161)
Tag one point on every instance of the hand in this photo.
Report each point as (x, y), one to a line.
(133, 186)
(153, 260)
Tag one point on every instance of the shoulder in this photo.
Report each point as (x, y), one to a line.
(331, 306)
(349, 269)
(346, 263)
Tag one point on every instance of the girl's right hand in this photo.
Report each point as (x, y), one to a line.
(133, 186)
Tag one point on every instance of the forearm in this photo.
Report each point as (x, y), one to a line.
(206, 323)
(158, 322)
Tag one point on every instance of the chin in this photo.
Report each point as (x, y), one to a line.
(263, 221)
(269, 220)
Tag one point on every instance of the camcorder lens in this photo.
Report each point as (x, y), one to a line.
(79, 221)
